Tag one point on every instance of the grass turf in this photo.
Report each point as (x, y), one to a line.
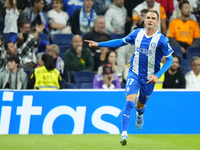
(99, 142)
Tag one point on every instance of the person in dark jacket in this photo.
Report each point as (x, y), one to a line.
(174, 77)
(77, 57)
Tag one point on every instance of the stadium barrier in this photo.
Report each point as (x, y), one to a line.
(91, 111)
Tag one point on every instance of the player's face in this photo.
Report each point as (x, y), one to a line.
(151, 20)
(175, 64)
(185, 11)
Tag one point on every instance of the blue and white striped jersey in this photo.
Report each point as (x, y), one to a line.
(148, 52)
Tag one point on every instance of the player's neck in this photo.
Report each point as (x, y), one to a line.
(150, 32)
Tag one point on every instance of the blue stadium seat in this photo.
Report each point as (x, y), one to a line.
(178, 52)
(116, 36)
(62, 48)
(66, 85)
(83, 77)
(185, 66)
(87, 86)
(63, 41)
(44, 36)
(1, 26)
(192, 51)
(70, 86)
(7, 36)
(123, 85)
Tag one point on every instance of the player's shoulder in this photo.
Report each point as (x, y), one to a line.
(162, 37)
(135, 32)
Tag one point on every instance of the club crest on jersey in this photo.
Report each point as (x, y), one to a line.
(153, 44)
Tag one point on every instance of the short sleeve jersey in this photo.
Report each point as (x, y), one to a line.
(148, 52)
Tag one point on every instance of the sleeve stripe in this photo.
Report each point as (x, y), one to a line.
(169, 54)
(126, 42)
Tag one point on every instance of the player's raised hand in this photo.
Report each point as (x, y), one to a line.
(92, 44)
(152, 79)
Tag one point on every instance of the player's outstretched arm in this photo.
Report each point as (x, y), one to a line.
(92, 44)
(111, 43)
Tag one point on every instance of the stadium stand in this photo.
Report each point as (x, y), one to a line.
(83, 77)
(178, 52)
(185, 66)
(192, 51)
(87, 86)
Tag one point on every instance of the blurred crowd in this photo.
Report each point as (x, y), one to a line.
(42, 42)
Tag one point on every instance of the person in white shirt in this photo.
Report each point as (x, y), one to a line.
(193, 77)
(59, 18)
(115, 18)
(12, 14)
(177, 13)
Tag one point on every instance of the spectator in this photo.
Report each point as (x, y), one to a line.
(59, 18)
(70, 6)
(106, 80)
(129, 5)
(13, 77)
(124, 55)
(174, 77)
(115, 18)
(140, 23)
(177, 13)
(184, 32)
(3, 58)
(54, 52)
(168, 6)
(36, 16)
(46, 77)
(99, 57)
(151, 4)
(47, 5)
(193, 77)
(40, 62)
(77, 57)
(24, 27)
(97, 32)
(110, 59)
(83, 19)
(101, 6)
(12, 14)
(25, 50)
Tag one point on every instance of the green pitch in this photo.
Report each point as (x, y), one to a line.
(99, 142)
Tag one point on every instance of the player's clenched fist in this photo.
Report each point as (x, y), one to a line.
(92, 44)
